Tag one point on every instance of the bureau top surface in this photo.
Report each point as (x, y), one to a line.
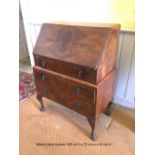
(81, 45)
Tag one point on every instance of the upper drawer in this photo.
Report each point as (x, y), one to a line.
(72, 70)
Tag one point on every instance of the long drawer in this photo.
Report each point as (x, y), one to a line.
(65, 90)
(72, 70)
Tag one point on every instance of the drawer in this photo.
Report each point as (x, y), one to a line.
(61, 89)
(72, 70)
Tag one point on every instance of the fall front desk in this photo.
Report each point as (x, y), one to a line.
(75, 67)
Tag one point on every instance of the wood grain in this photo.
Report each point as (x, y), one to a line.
(105, 92)
(69, 69)
(69, 49)
(75, 66)
(64, 91)
(79, 45)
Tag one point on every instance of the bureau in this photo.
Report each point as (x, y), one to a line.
(75, 67)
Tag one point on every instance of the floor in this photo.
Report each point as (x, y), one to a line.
(61, 131)
(122, 115)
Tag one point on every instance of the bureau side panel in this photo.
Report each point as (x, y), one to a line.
(108, 60)
(105, 92)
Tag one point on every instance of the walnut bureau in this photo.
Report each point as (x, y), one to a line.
(75, 67)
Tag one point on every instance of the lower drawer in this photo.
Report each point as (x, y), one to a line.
(72, 94)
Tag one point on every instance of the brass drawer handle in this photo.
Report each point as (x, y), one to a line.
(80, 73)
(78, 89)
(77, 104)
(43, 64)
(45, 91)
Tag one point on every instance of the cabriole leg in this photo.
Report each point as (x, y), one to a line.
(107, 110)
(42, 108)
(92, 124)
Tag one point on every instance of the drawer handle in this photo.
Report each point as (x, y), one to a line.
(45, 91)
(80, 73)
(43, 63)
(43, 77)
(78, 89)
(77, 105)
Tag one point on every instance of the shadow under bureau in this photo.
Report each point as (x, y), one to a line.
(75, 67)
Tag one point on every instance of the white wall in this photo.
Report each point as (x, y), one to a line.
(23, 51)
(125, 82)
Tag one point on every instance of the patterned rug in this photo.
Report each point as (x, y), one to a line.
(26, 86)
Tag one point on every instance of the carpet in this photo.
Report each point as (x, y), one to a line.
(26, 86)
(60, 131)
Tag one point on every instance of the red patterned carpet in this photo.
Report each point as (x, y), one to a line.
(26, 85)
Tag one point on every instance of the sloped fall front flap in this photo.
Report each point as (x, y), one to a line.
(81, 45)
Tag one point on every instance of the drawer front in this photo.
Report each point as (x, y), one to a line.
(64, 91)
(79, 72)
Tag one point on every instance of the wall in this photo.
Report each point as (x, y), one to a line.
(23, 51)
(110, 11)
(125, 82)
